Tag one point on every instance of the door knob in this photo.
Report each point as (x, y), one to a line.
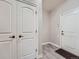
(12, 36)
(20, 36)
(62, 33)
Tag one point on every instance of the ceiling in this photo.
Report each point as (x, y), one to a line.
(49, 5)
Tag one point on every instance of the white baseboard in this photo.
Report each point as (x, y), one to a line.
(45, 43)
(55, 45)
(51, 44)
(40, 56)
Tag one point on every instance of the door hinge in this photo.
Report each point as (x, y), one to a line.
(35, 12)
(36, 50)
(36, 31)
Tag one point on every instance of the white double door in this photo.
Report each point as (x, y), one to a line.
(17, 30)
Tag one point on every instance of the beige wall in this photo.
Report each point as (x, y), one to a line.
(55, 18)
(46, 27)
(44, 30)
(55, 28)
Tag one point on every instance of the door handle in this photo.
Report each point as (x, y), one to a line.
(62, 32)
(20, 36)
(12, 36)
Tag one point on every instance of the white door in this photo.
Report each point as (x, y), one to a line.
(26, 31)
(7, 29)
(70, 32)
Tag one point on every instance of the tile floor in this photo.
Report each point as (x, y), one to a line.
(49, 52)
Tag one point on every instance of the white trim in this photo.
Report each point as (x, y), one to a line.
(55, 45)
(45, 43)
(51, 44)
(27, 2)
(40, 56)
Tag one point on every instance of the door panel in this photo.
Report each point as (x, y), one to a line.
(6, 50)
(5, 17)
(28, 20)
(5, 20)
(27, 35)
(27, 46)
(7, 29)
(26, 28)
(69, 25)
(29, 57)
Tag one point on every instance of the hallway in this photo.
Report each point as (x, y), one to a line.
(60, 26)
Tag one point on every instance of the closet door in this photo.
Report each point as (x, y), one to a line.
(26, 31)
(7, 29)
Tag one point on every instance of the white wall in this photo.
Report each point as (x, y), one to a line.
(55, 28)
(46, 27)
(44, 30)
(55, 18)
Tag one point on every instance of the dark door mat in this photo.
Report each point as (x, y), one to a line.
(66, 54)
